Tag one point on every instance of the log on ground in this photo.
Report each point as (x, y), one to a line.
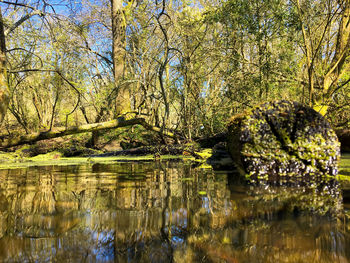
(63, 131)
(283, 138)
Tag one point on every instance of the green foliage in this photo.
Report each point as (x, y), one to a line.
(188, 67)
(344, 168)
(12, 161)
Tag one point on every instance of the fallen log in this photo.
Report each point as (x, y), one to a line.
(63, 131)
(283, 138)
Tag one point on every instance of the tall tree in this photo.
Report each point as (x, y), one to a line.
(118, 53)
(342, 51)
(4, 89)
(325, 27)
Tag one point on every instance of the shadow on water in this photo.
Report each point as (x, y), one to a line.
(168, 212)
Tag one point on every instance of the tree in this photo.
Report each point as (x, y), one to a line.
(4, 89)
(183, 66)
(325, 27)
(119, 20)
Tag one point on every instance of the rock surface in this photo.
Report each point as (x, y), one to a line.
(283, 138)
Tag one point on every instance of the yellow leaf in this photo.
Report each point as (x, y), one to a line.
(322, 109)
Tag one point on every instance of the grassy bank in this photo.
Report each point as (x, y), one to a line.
(12, 161)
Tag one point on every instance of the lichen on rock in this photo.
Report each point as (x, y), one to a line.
(283, 138)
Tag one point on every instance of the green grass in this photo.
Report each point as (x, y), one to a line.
(344, 167)
(13, 161)
(54, 158)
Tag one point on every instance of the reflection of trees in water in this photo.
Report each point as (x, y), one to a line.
(126, 207)
(161, 212)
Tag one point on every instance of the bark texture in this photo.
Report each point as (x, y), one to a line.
(283, 138)
(4, 89)
(119, 42)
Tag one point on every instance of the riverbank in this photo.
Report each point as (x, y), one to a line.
(204, 158)
(18, 159)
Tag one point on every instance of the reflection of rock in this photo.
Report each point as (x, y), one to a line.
(169, 211)
(221, 159)
(278, 221)
(291, 196)
(283, 138)
(270, 242)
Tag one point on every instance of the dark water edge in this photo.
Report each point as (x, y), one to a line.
(169, 212)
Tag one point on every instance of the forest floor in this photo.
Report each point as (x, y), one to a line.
(62, 151)
(31, 155)
(8, 161)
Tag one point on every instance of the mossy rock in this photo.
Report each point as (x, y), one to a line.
(283, 138)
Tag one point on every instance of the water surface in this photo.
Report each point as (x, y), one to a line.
(169, 212)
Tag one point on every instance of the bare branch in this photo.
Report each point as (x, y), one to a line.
(22, 20)
(62, 76)
(28, 51)
(17, 4)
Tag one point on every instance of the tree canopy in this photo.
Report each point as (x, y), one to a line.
(184, 66)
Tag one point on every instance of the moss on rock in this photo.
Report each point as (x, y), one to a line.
(283, 138)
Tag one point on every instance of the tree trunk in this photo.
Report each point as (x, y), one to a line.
(283, 138)
(119, 42)
(122, 102)
(94, 127)
(4, 89)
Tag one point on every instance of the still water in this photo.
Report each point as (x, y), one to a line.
(168, 212)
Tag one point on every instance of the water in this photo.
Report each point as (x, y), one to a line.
(168, 212)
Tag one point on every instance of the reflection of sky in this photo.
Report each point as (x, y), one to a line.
(177, 240)
(104, 222)
(178, 217)
(104, 249)
(206, 204)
